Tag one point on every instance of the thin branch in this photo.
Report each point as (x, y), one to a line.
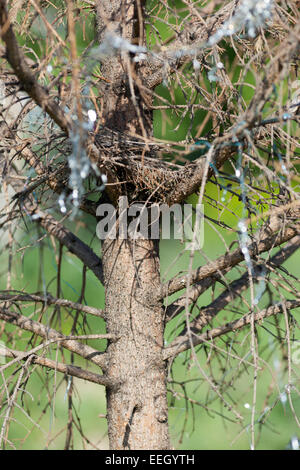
(49, 300)
(16, 59)
(190, 177)
(11, 403)
(188, 180)
(172, 351)
(56, 180)
(275, 236)
(60, 367)
(67, 238)
(194, 34)
(236, 287)
(39, 329)
(233, 290)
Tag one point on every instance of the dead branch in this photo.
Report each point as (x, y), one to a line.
(276, 235)
(231, 327)
(189, 179)
(67, 369)
(16, 59)
(67, 238)
(49, 300)
(233, 290)
(45, 332)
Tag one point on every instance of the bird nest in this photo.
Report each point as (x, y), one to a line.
(133, 168)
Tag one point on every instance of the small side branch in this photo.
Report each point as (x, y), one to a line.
(274, 237)
(45, 332)
(233, 290)
(29, 83)
(194, 34)
(189, 179)
(246, 320)
(49, 300)
(55, 180)
(60, 367)
(67, 238)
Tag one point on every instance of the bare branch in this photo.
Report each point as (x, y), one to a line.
(233, 290)
(67, 238)
(172, 351)
(189, 179)
(39, 329)
(195, 291)
(276, 235)
(67, 369)
(29, 83)
(195, 33)
(55, 180)
(49, 300)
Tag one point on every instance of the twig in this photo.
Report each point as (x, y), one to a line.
(67, 238)
(275, 237)
(16, 59)
(60, 367)
(39, 329)
(49, 300)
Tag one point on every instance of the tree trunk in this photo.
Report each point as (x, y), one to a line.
(136, 408)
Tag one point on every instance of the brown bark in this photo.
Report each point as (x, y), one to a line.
(136, 408)
(120, 108)
(137, 411)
